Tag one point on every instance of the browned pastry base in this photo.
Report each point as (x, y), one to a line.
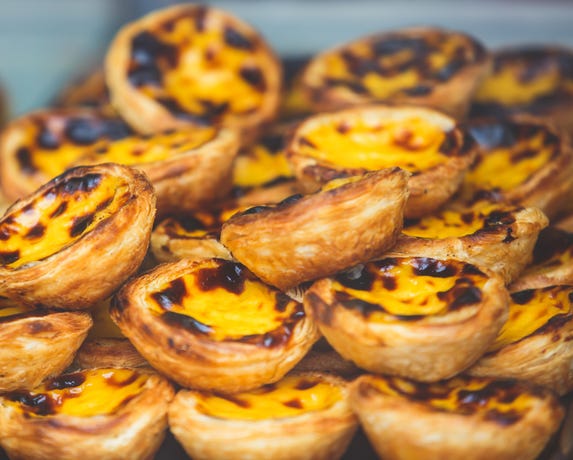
(37, 346)
(108, 352)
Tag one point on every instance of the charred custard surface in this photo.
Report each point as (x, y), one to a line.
(371, 143)
(501, 402)
(455, 224)
(289, 397)
(398, 64)
(407, 289)
(50, 143)
(525, 76)
(83, 394)
(553, 251)
(200, 66)
(511, 153)
(70, 208)
(535, 311)
(198, 224)
(224, 301)
(263, 163)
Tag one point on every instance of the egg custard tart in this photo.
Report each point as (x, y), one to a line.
(37, 343)
(193, 65)
(193, 235)
(105, 345)
(38, 146)
(424, 142)
(348, 221)
(520, 160)
(529, 79)
(212, 325)
(469, 418)
(535, 343)
(416, 317)
(104, 413)
(552, 262)
(425, 66)
(302, 416)
(496, 237)
(76, 239)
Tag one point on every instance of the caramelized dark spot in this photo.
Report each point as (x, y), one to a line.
(551, 242)
(491, 135)
(59, 210)
(282, 301)
(80, 224)
(290, 199)
(498, 218)
(66, 381)
(9, 257)
(358, 278)
(274, 143)
(47, 140)
(24, 158)
(230, 276)
(294, 403)
(234, 399)
(523, 154)
(146, 54)
(86, 184)
(343, 127)
(104, 204)
(200, 18)
(504, 418)
(461, 295)
(255, 210)
(254, 77)
(389, 282)
(523, 297)
(82, 131)
(424, 266)
(509, 236)
(39, 404)
(37, 231)
(418, 90)
(361, 306)
(186, 322)
(172, 296)
(305, 384)
(114, 381)
(235, 39)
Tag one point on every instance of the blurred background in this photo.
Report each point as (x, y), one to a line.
(46, 43)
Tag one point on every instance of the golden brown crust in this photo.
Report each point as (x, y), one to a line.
(134, 431)
(430, 186)
(108, 352)
(159, 108)
(448, 87)
(546, 177)
(321, 233)
(92, 267)
(328, 361)
(400, 427)
(193, 359)
(543, 357)
(423, 347)
(321, 435)
(504, 245)
(39, 345)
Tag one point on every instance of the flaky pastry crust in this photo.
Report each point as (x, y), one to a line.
(163, 73)
(95, 254)
(179, 346)
(317, 434)
(396, 67)
(315, 235)
(370, 136)
(37, 345)
(134, 431)
(503, 244)
(542, 356)
(423, 346)
(504, 420)
(108, 352)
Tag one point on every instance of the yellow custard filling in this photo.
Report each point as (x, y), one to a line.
(224, 300)
(260, 166)
(103, 326)
(84, 394)
(199, 224)
(465, 395)
(401, 288)
(9, 308)
(410, 143)
(134, 150)
(290, 397)
(207, 69)
(58, 218)
(506, 168)
(506, 88)
(531, 310)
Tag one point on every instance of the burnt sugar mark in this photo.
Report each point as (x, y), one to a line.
(207, 118)
(464, 293)
(62, 207)
(364, 308)
(186, 322)
(254, 77)
(36, 232)
(86, 183)
(523, 297)
(9, 257)
(273, 143)
(115, 381)
(191, 223)
(552, 242)
(25, 163)
(80, 224)
(234, 399)
(279, 336)
(236, 39)
(230, 276)
(294, 403)
(47, 139)
(149, 57)
(39, 404)
(66, 381)
(306, 384)
(425, 266)
(359, 278)
(172, 296)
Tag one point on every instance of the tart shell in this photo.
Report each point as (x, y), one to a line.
(108, 352)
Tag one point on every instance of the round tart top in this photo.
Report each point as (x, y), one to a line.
(450, 223)
(406, 63)
(414, 139)
(196, 65)
(410, 289)
(535, 311)
(527, 77)
(222, 301)
(496, 401)
(60, 214)
(289, 397)
(88, 393)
